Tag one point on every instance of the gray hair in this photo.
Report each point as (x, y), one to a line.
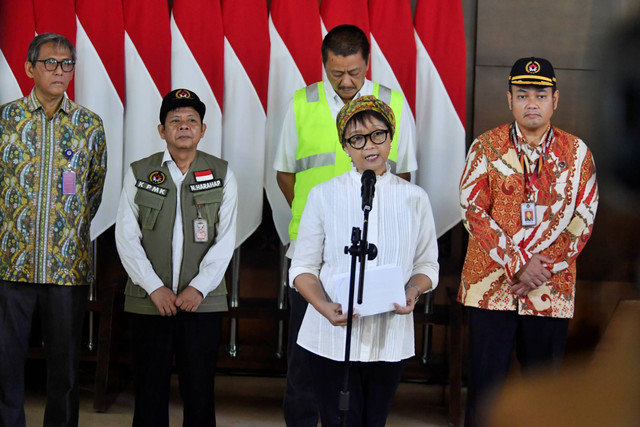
(38, 41)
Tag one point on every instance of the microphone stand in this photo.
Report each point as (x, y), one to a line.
(360, 250)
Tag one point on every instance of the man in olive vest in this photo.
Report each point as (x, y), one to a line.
(175, 234)
(309, 153)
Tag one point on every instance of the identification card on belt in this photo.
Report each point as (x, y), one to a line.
(200, 230)
(68, 182)
(528, 214)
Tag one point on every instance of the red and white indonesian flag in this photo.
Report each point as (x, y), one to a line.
(393, 47)
(197, 61)
(147, 43)
(203, 176)
(440, 106)
(56, 16)
(340, 12)
(15, 36)
(246, 80)
(100, 87)
(295, 61)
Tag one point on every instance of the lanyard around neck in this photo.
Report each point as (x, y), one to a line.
(530, 172)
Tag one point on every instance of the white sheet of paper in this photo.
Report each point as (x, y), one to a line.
(382, 287)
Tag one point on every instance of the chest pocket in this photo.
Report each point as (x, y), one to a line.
(149, 208)
(209, 202)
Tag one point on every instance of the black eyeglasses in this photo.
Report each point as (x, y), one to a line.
(51, 64)
(359, 141)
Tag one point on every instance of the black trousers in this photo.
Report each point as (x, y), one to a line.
(372, 386)
(193, 338)
(539, 342)
(61, 309)
(300, 405)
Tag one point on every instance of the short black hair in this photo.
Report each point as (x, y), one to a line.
(345, 40)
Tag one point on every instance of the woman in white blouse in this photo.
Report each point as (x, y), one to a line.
(401, 226)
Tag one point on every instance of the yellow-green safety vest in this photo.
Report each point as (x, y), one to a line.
(319, 155)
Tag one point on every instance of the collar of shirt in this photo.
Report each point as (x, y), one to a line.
(532, 152)
(380, 179)
(334, 100)
(34, 103)
(176, 173)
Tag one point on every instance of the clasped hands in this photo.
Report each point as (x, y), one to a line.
(533, 275)
(169, 303)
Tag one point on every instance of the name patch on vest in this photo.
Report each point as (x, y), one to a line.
(152, 188)
(205, 186)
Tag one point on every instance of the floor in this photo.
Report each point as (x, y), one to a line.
(249, 401)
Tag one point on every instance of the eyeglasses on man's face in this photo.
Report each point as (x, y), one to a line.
(51, 64)
(359, 141)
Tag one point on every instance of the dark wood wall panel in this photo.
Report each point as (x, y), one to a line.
(569, 33)
(563, 31)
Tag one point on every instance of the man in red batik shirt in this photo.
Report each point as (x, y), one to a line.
(529, 197)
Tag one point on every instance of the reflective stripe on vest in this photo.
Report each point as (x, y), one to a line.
(312, 93)
(319, 154)
(319, 160)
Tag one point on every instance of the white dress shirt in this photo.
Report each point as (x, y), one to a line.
(129, 236)
(400, 225)
(285, 159)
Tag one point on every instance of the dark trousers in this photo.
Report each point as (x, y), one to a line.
(194, 339)
(61, 309)
(300, 404)
(539, 342)
(372, 386)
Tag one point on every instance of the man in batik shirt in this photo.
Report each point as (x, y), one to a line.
(529, 197)
(52, 169)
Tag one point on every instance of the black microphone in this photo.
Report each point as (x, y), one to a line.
(368, 187)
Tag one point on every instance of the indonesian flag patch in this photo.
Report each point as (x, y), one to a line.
(202, 176)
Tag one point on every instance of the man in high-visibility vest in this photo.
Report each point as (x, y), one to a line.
(309, 153)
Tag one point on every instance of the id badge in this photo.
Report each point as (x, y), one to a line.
(200, 230)
(68, 182)
(528, 214)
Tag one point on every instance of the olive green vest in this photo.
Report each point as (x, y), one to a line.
(319, 155)
(156, 200)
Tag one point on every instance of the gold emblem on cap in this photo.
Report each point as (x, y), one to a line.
(532, 67)
(183, 93)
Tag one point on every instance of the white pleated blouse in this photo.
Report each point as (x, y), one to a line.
(400, 225)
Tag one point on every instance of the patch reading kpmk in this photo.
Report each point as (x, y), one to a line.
(205, 185)
(152, 188)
